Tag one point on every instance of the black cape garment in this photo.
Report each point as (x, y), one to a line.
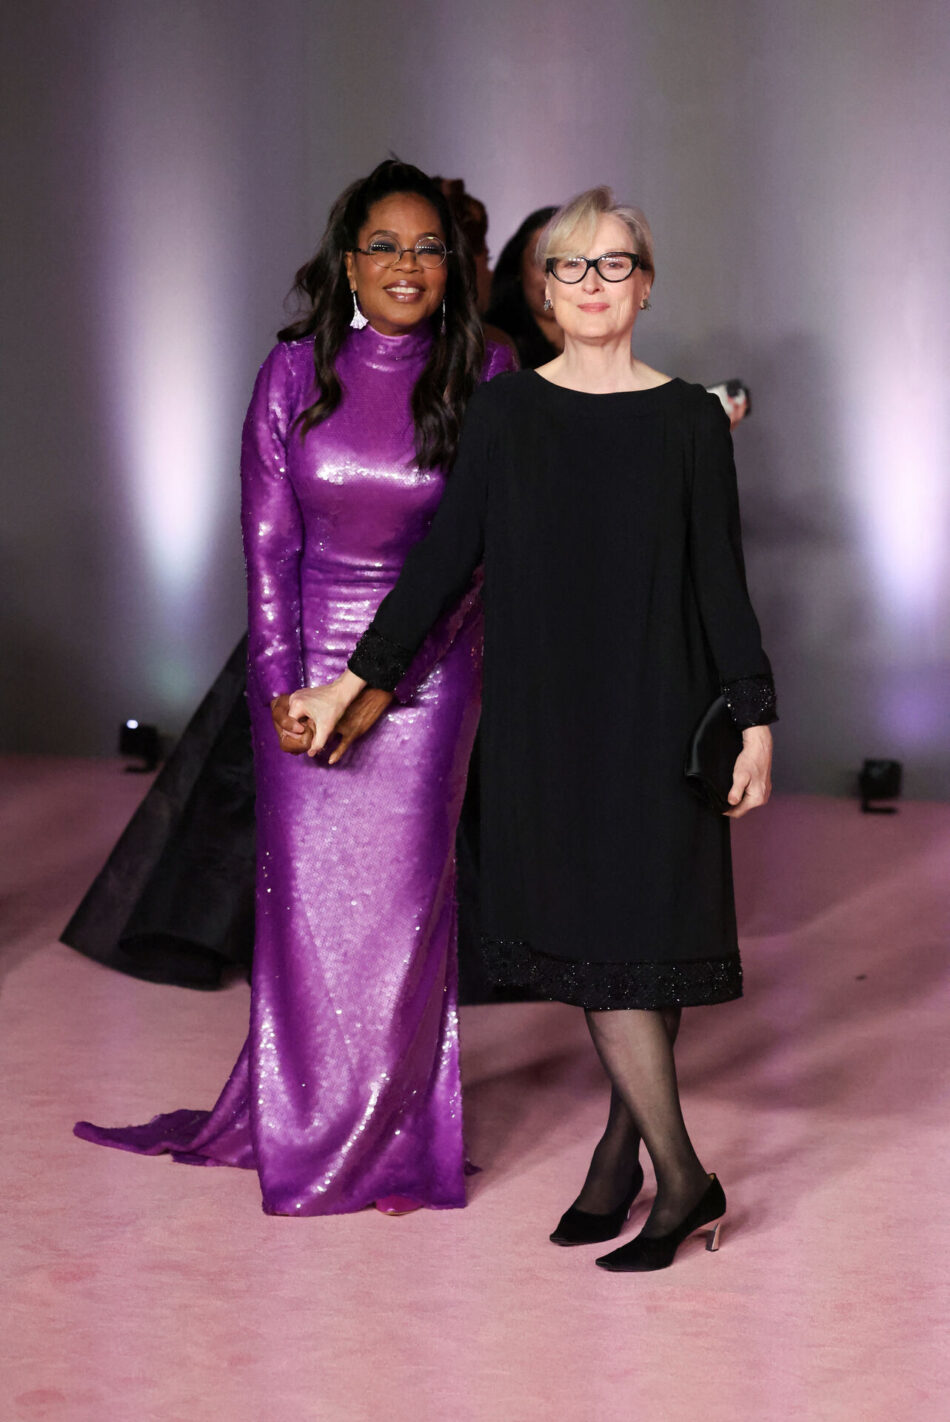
(616, 610)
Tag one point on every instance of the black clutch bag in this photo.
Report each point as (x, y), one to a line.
(711, 756)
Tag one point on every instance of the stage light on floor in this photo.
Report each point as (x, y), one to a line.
(880, 780)
(142, 743)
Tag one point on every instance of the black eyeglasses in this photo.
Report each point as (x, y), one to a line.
(429, 252)
(612, 266)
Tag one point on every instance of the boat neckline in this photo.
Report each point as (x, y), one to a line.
(606, 394)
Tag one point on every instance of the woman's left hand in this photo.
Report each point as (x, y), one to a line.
(360, 716)
(752, 776)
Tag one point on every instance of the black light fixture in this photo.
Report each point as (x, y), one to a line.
(880, 780)
(142, 743)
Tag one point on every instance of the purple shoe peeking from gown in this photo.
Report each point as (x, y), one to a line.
(347, 1088)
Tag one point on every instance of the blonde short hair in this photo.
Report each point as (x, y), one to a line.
(571, 229)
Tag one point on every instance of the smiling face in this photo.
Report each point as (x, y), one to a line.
(394, 299)
(595, 310)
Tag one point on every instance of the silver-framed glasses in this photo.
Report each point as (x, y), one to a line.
(429, 252)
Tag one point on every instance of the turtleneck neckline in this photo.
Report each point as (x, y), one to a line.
(370, 345)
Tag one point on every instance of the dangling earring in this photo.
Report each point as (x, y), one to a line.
(645, 304)
(548, 304)
(357, 320)
(443, 316)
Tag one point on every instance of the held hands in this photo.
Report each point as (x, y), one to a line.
(752, 776)
(326, 709)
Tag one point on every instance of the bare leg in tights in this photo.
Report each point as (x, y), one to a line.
(636, 1050)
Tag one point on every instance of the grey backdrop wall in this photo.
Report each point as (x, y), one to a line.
(169, 164)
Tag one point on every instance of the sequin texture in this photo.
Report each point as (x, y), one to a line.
(605, 986)
(347, 1088)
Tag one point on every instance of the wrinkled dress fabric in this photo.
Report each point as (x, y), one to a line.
(347, 1088)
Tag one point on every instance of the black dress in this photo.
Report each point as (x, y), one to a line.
(616, 609)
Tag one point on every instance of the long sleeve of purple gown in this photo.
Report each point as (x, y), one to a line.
(273, 533)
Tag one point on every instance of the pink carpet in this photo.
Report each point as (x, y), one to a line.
(135, 1289)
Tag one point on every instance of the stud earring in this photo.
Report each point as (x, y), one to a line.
(548, 304)
(357, 320)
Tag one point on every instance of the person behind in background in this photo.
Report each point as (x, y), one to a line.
(601, 495)
(471, 215)
(347, 1091)
(517, 295)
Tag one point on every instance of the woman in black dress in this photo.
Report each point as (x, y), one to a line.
(602, 497)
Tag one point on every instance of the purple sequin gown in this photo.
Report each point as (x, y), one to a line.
(347, 1088)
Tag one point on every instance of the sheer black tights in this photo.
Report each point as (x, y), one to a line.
(616, 1153)
(636, 1050)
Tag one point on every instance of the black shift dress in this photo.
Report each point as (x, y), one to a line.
(616, 609)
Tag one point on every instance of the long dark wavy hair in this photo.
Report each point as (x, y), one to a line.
(508, 309)
(455, 364)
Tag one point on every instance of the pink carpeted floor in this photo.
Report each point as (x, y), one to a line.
(135, 1289)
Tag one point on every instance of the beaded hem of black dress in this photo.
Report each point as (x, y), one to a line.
(600, 986)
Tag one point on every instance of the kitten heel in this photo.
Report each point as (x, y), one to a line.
(649, 1252)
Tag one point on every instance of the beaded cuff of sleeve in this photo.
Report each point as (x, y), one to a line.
(379, 661)
(603, 986)
(751, 700)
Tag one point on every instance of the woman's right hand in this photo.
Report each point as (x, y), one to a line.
(294, 735)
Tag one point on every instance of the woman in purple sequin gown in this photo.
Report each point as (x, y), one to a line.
(347, 1090)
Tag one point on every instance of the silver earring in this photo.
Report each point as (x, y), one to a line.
(357, 320)
(548, 304)
(443, 316)
(645, 304)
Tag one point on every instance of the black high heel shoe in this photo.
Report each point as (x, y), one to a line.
(644, 1254)
(581, 1227)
